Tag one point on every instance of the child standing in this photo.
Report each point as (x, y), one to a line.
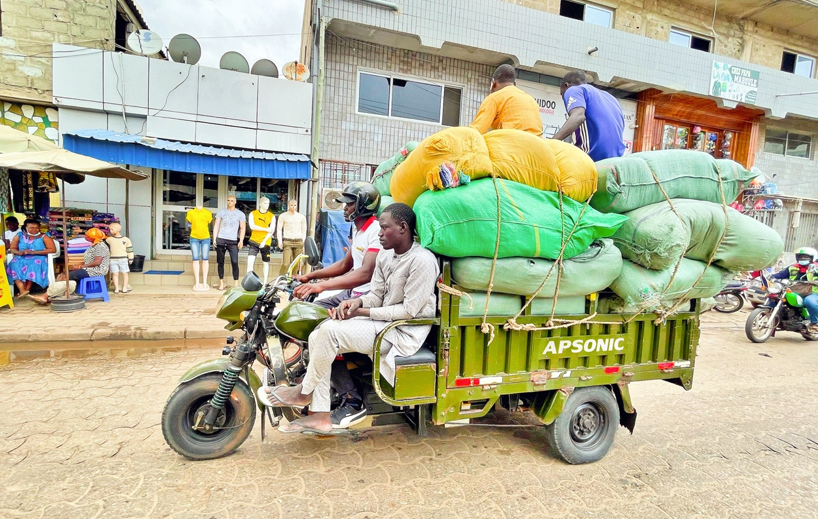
(121, 253)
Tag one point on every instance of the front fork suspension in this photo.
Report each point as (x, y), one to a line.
(229, 379)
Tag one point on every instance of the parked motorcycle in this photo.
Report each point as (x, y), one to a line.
(783, 311)
(731, 298)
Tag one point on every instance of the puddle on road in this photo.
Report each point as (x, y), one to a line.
(25, 351)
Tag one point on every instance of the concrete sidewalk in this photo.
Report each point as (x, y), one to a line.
(147, 313)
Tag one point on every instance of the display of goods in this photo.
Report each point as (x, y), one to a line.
(542, 163)
(462, 222)
(656, 236)
(645, 289)
(627, 183)
(383, 174)
(461, 146)
(591, 271)
(509, 305)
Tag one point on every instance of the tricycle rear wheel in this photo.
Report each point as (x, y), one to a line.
(189, 400)
(585, 430)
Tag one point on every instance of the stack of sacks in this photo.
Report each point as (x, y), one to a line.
(591, 271)
(383, 174)
(462, 222)
(655, 238)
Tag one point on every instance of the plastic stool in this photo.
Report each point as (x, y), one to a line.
(94, 288)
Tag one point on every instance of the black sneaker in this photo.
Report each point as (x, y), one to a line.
(347, 414)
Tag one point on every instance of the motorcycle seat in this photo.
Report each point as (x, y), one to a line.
(423, 356)
(733, 285)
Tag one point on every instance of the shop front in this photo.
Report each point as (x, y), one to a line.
(178, 191)
(679, 121)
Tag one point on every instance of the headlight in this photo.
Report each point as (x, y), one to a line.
(775, 288)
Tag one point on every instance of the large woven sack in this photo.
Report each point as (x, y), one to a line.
(627, 183)
(645, 289)
(525, 158)
(462, 146)
(656, 237)
(592, 271)
(383, 174)
(474, 305)
(386, 201)
(462, 222)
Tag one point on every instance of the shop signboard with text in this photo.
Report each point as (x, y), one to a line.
(734, 83)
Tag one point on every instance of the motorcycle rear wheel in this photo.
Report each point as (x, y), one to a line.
(235, 423)
(758, 328)
(729, 302)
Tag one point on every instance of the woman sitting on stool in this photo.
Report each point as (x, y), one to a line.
(29, 265)
(95, 262)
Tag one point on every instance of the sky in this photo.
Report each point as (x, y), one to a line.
(257, 29)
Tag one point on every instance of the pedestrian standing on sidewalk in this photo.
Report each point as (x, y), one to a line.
(121, 254)
(291, 232)
(229, 233)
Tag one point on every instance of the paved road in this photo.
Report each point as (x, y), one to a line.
(80, 438)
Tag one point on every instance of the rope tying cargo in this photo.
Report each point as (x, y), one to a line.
(455, 292)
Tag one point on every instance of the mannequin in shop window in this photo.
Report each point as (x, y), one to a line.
(262, 225)
(199, 220)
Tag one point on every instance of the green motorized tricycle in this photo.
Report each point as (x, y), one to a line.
(575, 379)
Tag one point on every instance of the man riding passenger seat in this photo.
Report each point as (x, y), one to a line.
(805, 269)
(403, 287)
(352, 275)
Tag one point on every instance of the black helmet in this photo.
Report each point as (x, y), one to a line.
(366, 198)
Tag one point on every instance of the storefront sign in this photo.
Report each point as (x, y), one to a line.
(734, 83)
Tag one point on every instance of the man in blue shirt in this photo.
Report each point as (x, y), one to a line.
(594, 117)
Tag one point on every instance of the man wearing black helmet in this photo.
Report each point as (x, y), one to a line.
(352, 275)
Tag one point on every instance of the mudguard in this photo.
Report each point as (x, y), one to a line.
(219, 366)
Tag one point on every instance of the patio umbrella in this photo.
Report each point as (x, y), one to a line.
(14, 141)
(62, 161)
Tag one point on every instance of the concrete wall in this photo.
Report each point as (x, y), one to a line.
(370, 139)
(538, 39)
(29, 27)
(740, 39)
(794, 176)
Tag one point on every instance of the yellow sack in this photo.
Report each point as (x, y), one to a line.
(462, 146)
(544, 164)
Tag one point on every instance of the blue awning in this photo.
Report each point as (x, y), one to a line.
(122, 148)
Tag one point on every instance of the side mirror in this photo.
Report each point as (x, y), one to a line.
(311, 250)
(251, 282)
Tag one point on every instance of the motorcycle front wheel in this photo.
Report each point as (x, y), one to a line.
(758, 327)
(729, 302)
(186, 405)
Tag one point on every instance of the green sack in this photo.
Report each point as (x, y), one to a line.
(386, 201)
(626, 183)
(655, 237)
(592, 271)
(506, 305)
(462, 222)
(383, 174)
(641, 288)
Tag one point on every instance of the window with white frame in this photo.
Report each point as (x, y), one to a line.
(782, 142)
(590, 13)
(690, 40)
(797, 64)
(404, 98)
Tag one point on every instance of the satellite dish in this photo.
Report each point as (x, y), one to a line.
(145, 42)
(184, 48)
(234, 61)
(295, 71)
(264, 67)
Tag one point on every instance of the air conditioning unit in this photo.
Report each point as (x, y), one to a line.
(328, 201)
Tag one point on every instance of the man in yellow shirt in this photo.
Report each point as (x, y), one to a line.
(507, 107)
